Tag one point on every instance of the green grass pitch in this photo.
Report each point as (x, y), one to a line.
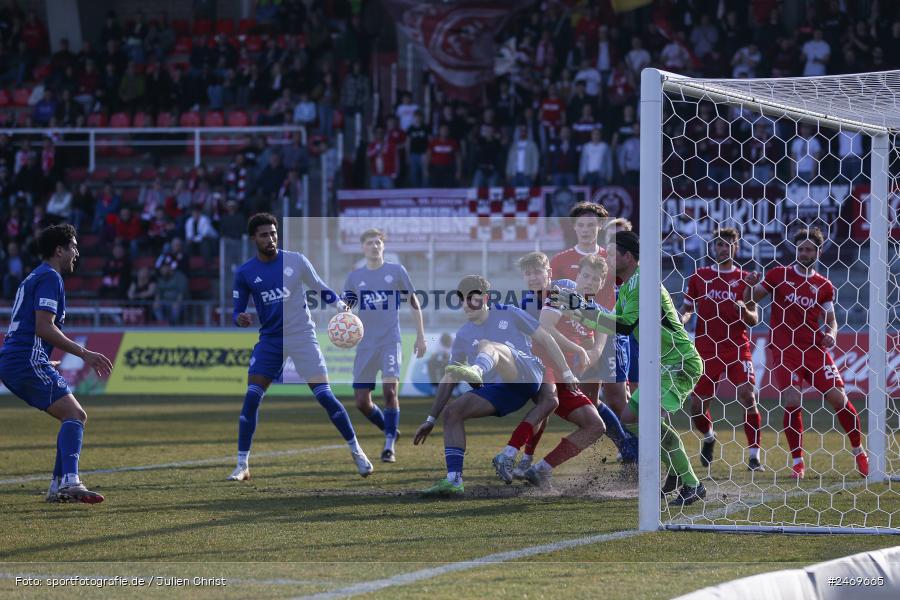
(308, 524)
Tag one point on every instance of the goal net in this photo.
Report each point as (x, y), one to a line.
(770, 157)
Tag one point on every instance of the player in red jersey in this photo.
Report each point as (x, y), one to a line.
(588, 220)
(800, 348)
(722, 337)
(574, 406)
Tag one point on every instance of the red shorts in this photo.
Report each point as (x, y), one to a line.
(815, 366)
(570, 401)
(738, 370)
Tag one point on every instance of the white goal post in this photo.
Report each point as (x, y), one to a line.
(696, 138)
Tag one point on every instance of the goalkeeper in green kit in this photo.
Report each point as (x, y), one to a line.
(680, 364)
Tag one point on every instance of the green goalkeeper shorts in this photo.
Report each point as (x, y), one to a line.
(677, 382)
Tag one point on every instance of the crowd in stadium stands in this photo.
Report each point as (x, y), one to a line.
(563, 113)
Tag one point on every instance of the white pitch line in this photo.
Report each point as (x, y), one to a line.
(366, 587)
(176, 465)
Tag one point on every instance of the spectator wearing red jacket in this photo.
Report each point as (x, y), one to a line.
(34, 34)
(126, 227)
(444, 160)
(382, 161)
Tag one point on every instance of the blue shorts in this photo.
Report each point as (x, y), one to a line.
(385, 358)
(633, 357)
(623, 358)
(36, 382)
(269, 356)
(507, 398)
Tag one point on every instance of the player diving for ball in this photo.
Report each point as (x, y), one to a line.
(582, 351)
(279, 281)
(496, 342)
(378, 289)
(680, 364)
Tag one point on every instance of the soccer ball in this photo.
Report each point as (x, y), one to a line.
(345, 330)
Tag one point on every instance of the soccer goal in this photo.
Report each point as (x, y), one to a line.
(770, 157)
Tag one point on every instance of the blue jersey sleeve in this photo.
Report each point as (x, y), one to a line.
(312, 281)
(349, 294)
(404, 282)
(240, 295)
(48, 293)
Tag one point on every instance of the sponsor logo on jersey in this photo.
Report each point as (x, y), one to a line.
(804, 301)
(720, 295)
(47, 302)
(288, 272)
(362, 283)
(257, 280)
(388, 278)
(503, 325)
(275, 295)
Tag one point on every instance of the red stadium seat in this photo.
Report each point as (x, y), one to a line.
(74, 282)
(181, 26)
(174, 172)
(199, 286)
(20, 96)
(96, 120)
(196, 263)
(91, 263)
(254, 44)
(101, 174)
(165, 119)
(142, 119)
(218, 146)
(148, 174)
(213, 119)
(23, 118)
(124, 148)
(91, 285)
(246, 25)
(41, 72)
(124, 174)
(238, 118)
(130, 195)
(76, 174)
(338, 120)
(5, 99)
(120, 119)
(88, 241)
(202, 27)
(190, 119)
(144, 262)
(183, 45)
(225, 26)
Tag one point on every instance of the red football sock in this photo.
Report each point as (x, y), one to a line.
(563, 452)
(849, 419)
(703, 422)
(522, 435)
(793, 430)
(752, 424)
(535, 439)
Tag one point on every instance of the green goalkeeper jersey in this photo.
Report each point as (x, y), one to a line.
(676, 345)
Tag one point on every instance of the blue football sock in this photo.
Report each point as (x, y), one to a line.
(454, 457)
(249, 417)
(336, 411)
(57, 467)
(614, 428)
(485, 362)
(391, 421)
(71, 434)
(377, 417)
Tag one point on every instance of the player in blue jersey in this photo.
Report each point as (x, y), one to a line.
(497, 345)
(378, 289)
(279, 281)
(38, 314)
